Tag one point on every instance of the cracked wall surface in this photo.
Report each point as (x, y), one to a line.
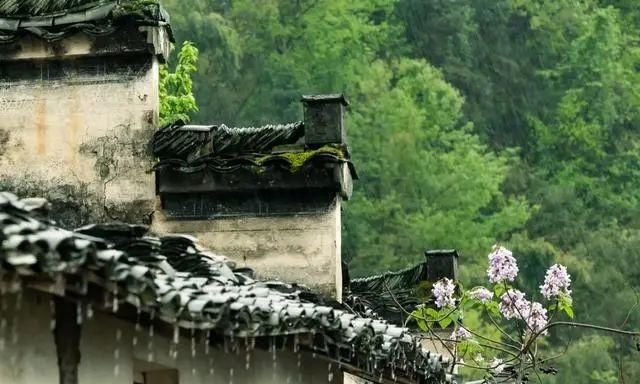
(304, 249)
(76, 131)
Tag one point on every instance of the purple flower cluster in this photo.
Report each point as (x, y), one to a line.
(556, 282)
(536, 317)
(443, 291)
(502, 265)
(460, 334)
(514, 305)
(482, 294)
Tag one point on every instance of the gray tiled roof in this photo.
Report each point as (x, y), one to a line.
(187, 142)
(41, 7)
(218, 148)
(379, 295)
(55, 19)
(193, 288)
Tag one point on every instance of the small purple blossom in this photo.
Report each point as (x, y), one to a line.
(482, 294)
(443, 291)
(557, 282)
(535, 316)
(513, 304)
(502, 265)
(460, 334)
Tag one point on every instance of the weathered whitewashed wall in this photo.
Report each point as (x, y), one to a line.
(75, 128)
(304, 249)
(28, 356)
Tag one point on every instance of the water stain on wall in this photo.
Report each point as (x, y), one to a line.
(4, 141)
(75, 119)
(41, 126)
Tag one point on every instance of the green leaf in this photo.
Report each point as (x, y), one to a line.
(565, 300)
(444, 323)
(569, 312)
(492, 307)
(423, 325)
(565, 304)
(176, 88)
(432, 313)
(469, 347)
(454, 316)
(466, 304)
(499, 290)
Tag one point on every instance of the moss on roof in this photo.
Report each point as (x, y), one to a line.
(297, 160)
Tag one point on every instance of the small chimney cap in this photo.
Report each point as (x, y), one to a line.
(442, 263)
(324, 99)
(441, 253)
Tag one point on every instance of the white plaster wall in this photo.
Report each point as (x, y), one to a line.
(304, 249)
(83, 129)
(27, 351)
(106, 359)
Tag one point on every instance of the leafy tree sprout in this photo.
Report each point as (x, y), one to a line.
(176, 88)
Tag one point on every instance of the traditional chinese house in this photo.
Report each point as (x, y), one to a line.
(85, 298)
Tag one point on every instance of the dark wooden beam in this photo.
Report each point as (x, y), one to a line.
(66, 335)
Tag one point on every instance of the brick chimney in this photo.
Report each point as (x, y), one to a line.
(324, 119)
(78, 105)
(269, 197)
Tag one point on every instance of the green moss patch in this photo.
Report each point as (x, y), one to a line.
(297, 160)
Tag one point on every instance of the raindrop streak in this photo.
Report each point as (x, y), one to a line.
(206, 342)
(52, 310)
(247, 359)
(230, 375)
(138, 327)
(19, 301)
(3, 332)
(330, 377)
(89, 312)
(211, 368)
(173, 350)
(79, 313)
(193, 343)
(296, 347)
(116, 304)
(14, 333)
(274, 358)
(116, 353)
(176, 334)
(151, 335)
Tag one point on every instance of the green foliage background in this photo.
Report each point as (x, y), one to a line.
(472, 121)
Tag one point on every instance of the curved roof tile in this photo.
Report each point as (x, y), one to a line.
(191, 287)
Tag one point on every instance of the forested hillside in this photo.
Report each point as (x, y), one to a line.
(472, 121)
